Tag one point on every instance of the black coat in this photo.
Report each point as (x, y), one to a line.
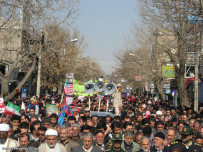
(166, 149)
(80, 149)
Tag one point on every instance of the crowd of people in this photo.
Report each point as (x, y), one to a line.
(141, 125)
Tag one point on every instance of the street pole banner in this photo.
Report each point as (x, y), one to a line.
(51, 109)
(138, 78)
(2, 106)
(69, 89)
(68, 100)
(168, 71)
(70, 75)
(24, 93)
(78, 88)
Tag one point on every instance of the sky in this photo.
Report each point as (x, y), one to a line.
(104, 24)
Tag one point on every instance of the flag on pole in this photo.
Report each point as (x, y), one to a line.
(2, 106)
(189, 80)
(156, 98)
(51, 109)
(23, 106)
(68, 100)
(69, 89)
(12, 109)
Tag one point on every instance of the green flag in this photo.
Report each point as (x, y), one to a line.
(79, 88)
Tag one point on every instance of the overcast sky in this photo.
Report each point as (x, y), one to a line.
(104, 23)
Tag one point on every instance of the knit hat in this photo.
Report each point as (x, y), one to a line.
(34, 99)
(160, 135)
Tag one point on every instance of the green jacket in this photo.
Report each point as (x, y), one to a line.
(135, 145)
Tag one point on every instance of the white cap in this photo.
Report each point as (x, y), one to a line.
(51, 132)
(4, 127)
(159, 113)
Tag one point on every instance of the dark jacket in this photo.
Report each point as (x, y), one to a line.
(80, 149)
(35, 144)
(105, 146)
(28, 149)
(166, 149)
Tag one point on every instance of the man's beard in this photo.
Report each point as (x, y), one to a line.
(145, 149)
(186, 141)
(99, 143)
(116, 147)
(63, 139)
(51, 146)
(128, 143)
(3, 140)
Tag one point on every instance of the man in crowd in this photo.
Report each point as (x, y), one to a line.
(46, 122)
(99, 137)
(31, 112)
(4, 119)
(171, 135)
(64, 139)
(42, 138)
(15, 121)
(186, 144)
(51, 144)
(138, 137)
(159, 138)
(149, 128)
(117, 99)
(117, 141)
(33, 129)
(87, 145)
(24, 144)
(54, 119)
(5, 142)
(82, 121)
(95, 120)
(76, 132)
(145, 144)
(128, 144)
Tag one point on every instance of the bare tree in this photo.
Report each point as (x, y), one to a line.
(172, 16)
(19, 17)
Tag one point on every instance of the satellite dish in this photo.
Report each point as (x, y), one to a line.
(89, 87)
(99, 86)
(110, 88)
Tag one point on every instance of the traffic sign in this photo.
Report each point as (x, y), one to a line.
(24, 93)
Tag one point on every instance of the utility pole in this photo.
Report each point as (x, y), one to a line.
(41, 43)
(25, 24)
(196, 87)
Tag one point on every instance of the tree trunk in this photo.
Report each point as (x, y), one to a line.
(13, 93)
(182, 92)
(4, 86)
(160, 89)
(60, 87)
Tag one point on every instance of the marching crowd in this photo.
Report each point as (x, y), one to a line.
(140, 125)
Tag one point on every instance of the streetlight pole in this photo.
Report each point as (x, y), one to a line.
(196, 87)
(39, 66)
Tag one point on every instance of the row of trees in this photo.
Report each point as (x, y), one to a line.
(33, 30)
(168, 31)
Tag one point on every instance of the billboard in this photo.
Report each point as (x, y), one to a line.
(168, 71)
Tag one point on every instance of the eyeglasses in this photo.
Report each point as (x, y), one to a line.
(40, 134)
